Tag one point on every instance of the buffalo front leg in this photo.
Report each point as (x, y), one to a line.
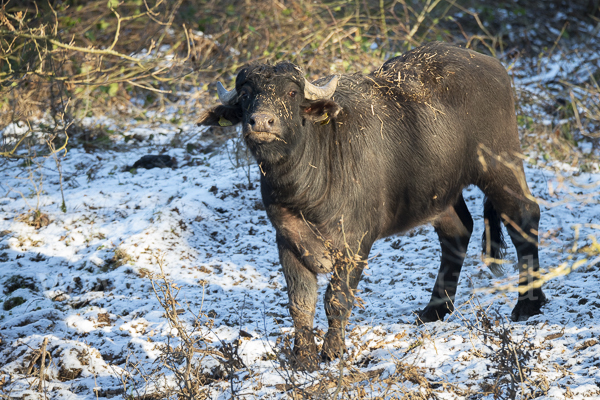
(454, 228)
(302, 294)
(339, 300)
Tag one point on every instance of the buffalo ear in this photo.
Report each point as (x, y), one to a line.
(321, 110)
(221, 116)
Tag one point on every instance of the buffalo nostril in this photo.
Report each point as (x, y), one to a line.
(262, 122)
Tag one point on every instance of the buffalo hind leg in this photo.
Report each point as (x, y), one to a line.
(339, 299)
(454, 228)
(531, 296)
(302, 293)
(521, 216)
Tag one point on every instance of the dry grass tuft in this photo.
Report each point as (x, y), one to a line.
(120, 258)
(34, 218)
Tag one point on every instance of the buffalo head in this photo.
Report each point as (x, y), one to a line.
(273, 104)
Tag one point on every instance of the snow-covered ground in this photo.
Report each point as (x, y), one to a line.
(83, 282)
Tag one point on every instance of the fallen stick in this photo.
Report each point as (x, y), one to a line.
(42, 365)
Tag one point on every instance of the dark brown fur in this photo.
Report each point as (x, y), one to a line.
(390, 151)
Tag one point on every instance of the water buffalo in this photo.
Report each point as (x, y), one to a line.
(384, 152)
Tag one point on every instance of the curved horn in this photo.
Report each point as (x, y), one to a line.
(225, 96)
(313, 92)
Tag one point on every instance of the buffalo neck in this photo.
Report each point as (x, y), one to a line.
(323, 165)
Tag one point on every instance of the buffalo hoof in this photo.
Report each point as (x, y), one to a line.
(304, 360)
(333, 347)
(432, 314)
(304, 355)
(528, 305)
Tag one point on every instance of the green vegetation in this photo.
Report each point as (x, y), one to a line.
(13, 302)
(16, 282)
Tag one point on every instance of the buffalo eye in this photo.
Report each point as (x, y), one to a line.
(292, 93)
